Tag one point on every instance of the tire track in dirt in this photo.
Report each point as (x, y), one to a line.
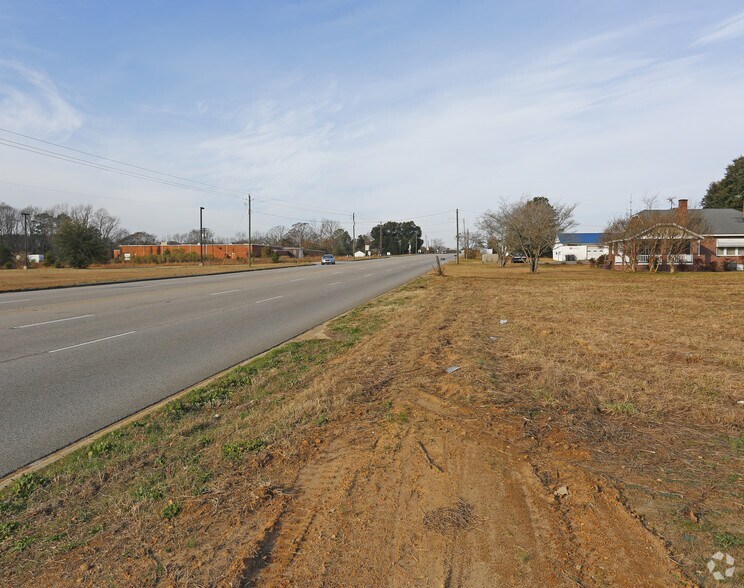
(444, 489)
(360, 514)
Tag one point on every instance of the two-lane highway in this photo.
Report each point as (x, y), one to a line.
(75, 360)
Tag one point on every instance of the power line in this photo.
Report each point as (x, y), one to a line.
(174, 181)
(154, 171)
(85, 163)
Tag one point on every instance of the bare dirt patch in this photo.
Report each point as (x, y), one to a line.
(561, 453)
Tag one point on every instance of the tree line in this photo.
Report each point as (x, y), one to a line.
(81, 235)
(76, 236)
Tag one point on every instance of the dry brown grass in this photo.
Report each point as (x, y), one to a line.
(643, 370)
(631, 378)
(42, 277)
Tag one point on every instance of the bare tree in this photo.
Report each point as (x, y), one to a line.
(436, 245)
(276, 235)
(533, 224)
(302, 235)
(10, 223)
(193, 236)
(495, 230)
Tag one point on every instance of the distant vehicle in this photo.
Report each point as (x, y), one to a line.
(328, 259)
(518, 259)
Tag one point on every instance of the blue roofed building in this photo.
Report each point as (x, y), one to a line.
(578, 246)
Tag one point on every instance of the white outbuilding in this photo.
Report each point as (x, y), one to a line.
(578, 246)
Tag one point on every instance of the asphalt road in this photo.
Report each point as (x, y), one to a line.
(73, 361)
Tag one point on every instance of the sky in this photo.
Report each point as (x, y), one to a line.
(390, 110)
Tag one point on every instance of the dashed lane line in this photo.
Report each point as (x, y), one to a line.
(71, 318)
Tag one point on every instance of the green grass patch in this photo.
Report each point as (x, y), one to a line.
(626, 408)
(236, 450)
(7, 529)
(726, 540)
(171, 511)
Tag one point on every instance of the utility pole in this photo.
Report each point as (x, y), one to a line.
(201, 237)
(25, 239)
(457, 226)
(379, 252)
(353, 233)
(250, 255)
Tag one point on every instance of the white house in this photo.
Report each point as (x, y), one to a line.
(578, 246)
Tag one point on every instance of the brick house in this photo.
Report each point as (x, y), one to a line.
(705, 237)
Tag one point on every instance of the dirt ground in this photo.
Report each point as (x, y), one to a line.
(381, 467)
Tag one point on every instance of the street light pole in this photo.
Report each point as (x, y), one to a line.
(201, 237)
(250, 257)
(25, 239)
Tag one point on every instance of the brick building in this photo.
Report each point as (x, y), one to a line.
(211, 250)
(714, 239)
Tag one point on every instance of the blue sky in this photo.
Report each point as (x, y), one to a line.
(392, 110)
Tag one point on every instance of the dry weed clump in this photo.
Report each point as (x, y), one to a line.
(450, 518)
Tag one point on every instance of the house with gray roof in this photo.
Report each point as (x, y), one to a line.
(715, 238)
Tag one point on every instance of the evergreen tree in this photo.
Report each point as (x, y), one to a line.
(80, 244)
(729, 191)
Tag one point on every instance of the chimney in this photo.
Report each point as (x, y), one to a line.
(682, 211)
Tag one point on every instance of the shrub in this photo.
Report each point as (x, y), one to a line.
(267, 252)
(50, 258)
(275, 257)
(6, 255)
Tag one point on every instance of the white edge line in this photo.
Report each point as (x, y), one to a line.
(297, 280)
(225, 292)
(367, 275)
(12, 301)
(72, 318)
(267, 299)
(334, 283)
(91, 342)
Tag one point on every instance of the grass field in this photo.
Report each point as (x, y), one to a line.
(42, 277)
(597, 380)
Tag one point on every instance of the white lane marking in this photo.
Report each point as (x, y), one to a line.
(12, 301)
(225, 292)
(91, 342)
(334, 283)
(367, 275)
(72, 318)
(267, 299)
(297, 280)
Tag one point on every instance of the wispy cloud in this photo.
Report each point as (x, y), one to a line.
(730, 28)
(30, 102)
